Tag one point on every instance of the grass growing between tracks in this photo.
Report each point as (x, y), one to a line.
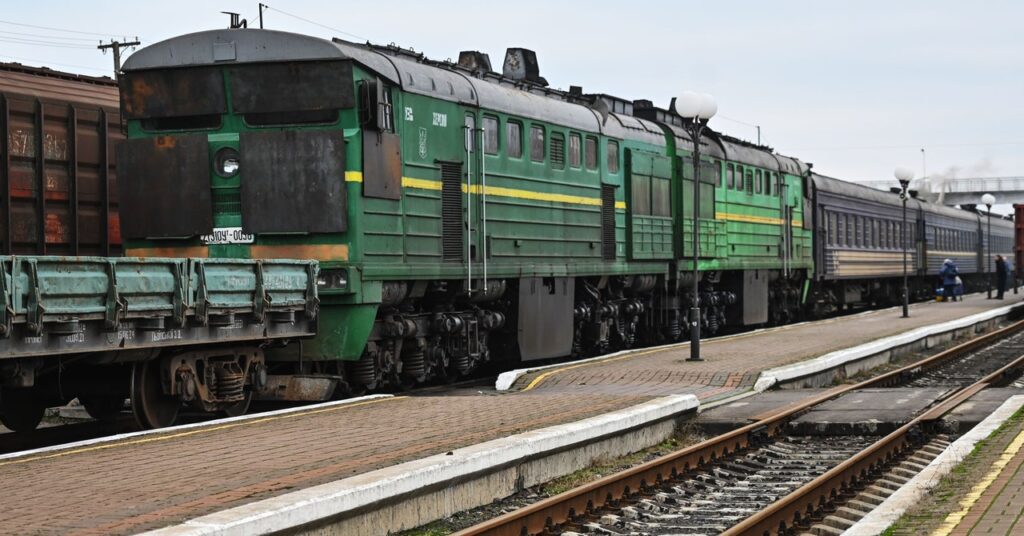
(929, 513)
(688, 434)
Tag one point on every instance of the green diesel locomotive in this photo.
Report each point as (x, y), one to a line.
(459, 215)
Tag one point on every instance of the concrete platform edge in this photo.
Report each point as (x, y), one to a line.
(771, 377)
(887, 513)
(356, 494)
(186, 427)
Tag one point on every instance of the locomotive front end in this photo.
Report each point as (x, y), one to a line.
(235, 149)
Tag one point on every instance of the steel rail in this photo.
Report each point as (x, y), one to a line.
(558, 510)
(843, 478)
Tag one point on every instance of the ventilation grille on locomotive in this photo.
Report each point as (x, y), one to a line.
(557, 152)
(607, 222)
(451, 212)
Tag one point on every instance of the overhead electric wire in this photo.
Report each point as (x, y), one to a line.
(35, 42)
(58, 29)
(915, 146)
(268, 8)
(37, 36)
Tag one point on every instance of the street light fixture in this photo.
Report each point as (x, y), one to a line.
(698, 109)
(988, 200)
(904, 175)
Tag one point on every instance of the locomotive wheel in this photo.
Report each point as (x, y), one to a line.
(19, 411)
(152, 408)
(238, 408)
(102, 407)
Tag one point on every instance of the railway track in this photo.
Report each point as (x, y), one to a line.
(758, 480)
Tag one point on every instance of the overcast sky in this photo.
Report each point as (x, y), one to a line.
(857, 88)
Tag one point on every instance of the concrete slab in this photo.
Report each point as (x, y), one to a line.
(732, 415)
(979, 407)
(866, 412)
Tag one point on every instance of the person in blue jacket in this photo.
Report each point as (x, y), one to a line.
(949, 273)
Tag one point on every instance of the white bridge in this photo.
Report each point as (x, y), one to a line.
(965, 191)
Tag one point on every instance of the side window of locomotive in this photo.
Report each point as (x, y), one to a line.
(750, 181)
(757, 181)
(575, 160)
(376, 111)
(591, 152)
(470, 127)
(640, 202)
(490, 134)
(850, 231)
(841, 230)
(537, 143)
(832, 236)
(730, 176)
(739, 178)
(613, 156)
(514, 139)
(661, 197)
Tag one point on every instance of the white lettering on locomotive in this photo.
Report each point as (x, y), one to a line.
(408, 113)
(440, 120)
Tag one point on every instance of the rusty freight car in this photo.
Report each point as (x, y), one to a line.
(58, 189)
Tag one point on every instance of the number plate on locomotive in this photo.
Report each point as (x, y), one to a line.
(228, 235)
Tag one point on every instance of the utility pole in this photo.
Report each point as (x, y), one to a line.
(262, 5)
(116, 47)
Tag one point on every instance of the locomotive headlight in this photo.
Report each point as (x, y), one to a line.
(332, 279)
(226, 162)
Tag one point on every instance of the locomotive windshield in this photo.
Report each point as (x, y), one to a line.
(264, 94)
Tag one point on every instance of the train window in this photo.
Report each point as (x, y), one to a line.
(640, 202)
(778, 185)
(490, 134)
(750, 181)
(537, 143)
(470, 126)
(730, 176)
(876, 231)
(661, 197)
(273, 119)
(514, 139)
(188, 122)
(613, 156)
(832, 229)
(858, 234)
(739, 177)
(574, 150)
(757, 181)
(591, 152)
(841, 230)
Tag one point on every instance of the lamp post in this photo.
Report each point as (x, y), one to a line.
(698, 109)
(904, 175)
(988, 200)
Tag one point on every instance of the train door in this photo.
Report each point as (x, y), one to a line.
(481, 139)
(649, 227)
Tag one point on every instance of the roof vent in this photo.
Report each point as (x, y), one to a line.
(521, 64)
(475, 61)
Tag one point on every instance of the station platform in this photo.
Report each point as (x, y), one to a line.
(160, 479)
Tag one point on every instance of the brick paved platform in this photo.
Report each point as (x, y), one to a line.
(158, 480)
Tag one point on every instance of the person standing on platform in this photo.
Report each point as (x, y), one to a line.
(1001, 273)
(949, 273)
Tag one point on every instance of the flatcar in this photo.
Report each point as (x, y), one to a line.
(462, 216)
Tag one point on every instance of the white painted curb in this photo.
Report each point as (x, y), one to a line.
(507, 379)
(913, 491)
(831, 360)
(326, 500)
(185, 427)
